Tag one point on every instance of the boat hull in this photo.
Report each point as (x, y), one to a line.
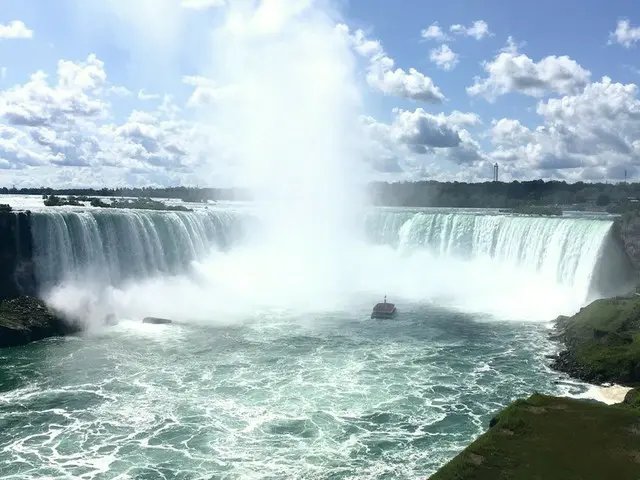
(384, 314)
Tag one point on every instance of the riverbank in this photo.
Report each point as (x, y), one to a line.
(602, 342)
(553, 438)
(556, 437)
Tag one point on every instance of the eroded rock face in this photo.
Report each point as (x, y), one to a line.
(627, 229)
(17, 275)
(27, 319)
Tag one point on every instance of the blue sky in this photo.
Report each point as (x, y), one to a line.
(142, 98)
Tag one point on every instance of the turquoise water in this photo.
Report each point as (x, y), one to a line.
(255, 385)
(317, 397)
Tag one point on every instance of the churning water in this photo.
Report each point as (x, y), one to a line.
(274, 373)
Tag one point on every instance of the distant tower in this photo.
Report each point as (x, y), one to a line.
(495, 172)
(625, 176)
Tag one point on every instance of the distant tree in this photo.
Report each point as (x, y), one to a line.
(603, 200)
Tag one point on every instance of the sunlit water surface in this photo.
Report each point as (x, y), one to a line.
(319, 397)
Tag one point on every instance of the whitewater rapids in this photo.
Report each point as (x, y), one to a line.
(278, 373)
(206, 264)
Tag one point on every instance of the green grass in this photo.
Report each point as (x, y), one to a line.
(604, 338)
(546, 438)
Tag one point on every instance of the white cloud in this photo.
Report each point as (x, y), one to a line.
(591, 135)
(434, 32)
(478, 30)
(625, 34)
(444, 57)
(144, 96)
(14, 30)
(511, 71)
(416, 140)
(36, 103)
(201, 4)
(207, 92)
(382, 76)
(68, 124)
(510, 132)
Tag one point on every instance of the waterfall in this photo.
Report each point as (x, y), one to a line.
(511, 266)
(111, 246)
(565, 250)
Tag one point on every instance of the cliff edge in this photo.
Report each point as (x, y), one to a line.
(17, 273)
(626, 229)
(602, 341)
(27, 319)
(552, 438)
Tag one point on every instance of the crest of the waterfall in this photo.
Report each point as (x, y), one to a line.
(287, 117)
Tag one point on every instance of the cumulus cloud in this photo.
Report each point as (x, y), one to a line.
(14, 30)
(478, 30)
(36, 103)
(511, 71)
(416, 139)
(625, 34)
(434, 32)
(444, 57)
(593, 134)
(68, 123)
(382, 75)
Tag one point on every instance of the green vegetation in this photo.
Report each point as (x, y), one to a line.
(55, 201)
(138, 203)
(535, 210)
(97, 202)
(632, 398)
(4, 207)
(603, 341)
(146, 204)
(576, 196)
(186, 194)
(550, 437)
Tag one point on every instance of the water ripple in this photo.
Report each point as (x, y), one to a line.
(334, 399)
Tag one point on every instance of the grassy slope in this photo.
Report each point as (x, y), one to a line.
(546, 438)
(604, 339)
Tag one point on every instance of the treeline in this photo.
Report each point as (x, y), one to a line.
(186, 194)
(504, 195)
(411, 194)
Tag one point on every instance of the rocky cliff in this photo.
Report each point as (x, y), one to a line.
(626, 229)
(17, 275)
(27, 319)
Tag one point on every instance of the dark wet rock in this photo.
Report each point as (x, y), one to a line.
(17, 273)
(156, 320)
(627, 229)
(27, 319)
